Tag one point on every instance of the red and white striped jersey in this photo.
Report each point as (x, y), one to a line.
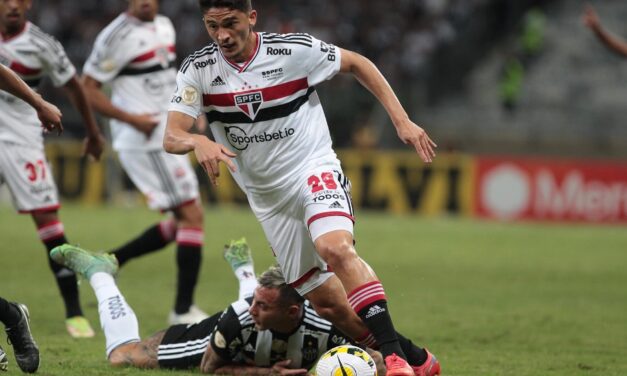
(33, 55)
(266, 110)
(137, 59)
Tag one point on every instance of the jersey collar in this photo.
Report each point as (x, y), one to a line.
(241, 68)
(6, 39)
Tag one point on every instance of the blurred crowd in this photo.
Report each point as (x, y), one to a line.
(400, 36)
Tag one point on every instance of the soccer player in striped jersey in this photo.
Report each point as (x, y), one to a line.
(135, 55)
(34, 55)
(258, 93)
(273, 331)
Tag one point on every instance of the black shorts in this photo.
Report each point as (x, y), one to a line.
(184, 345)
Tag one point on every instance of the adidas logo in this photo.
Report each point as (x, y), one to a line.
(374, 310)
(336, 205)
(218, 82)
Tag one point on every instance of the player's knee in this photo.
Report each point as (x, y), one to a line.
(190, 215)
(338, 254)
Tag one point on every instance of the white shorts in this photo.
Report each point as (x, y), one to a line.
(320, 204)
(29, 178)
(167, 180)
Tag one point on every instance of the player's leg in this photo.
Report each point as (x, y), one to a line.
(169, 183)
(141, 354)
(239, 257)
(117, 319)
(34, 192)
(154, 238)
(329, 217)
(420, 359)
(189, 242)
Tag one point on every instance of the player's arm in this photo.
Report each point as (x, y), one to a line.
(372, 79)
(144, 123)
(214, 364)
(592, 21)
(94, 142)
(179, 140)
(279, 368)
(48, 114)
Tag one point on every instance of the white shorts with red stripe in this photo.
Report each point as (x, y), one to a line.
(28, 175)
(321, 204)
(167, 180)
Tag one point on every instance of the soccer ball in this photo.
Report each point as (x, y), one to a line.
(346, 360)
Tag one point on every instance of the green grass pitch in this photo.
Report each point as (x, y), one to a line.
(486, 298)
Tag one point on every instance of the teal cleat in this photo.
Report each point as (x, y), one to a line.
(238, 254)
(84, 262)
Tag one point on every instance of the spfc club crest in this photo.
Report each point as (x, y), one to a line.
(249, 103)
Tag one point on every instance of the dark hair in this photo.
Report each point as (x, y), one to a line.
(273, 279)
(242, 5)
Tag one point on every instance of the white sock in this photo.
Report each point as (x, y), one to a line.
(117, 319)
(247, 280)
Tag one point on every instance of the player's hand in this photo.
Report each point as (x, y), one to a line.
(590, 17)
(280, 368)
(378, 361)
(145, 123)
(209, 154)
(94, 146)
(412, 134)
(50, 116)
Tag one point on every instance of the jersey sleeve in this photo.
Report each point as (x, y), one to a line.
(226, 340)
(324, 62)
(106, 60)
(55, 62)
(188, 95)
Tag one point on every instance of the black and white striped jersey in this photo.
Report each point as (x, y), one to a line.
(138, 60)
(235, 338)
(265, 109)
(33, 55)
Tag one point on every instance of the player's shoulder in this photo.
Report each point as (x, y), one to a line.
(202, 58)
(115, 30)
(161, 19)
(37, 35)
(289, 40)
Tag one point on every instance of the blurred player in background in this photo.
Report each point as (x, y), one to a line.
(15, 316)
(612, 42)
(258, 91)
(33, 55)
(135, 55)
(271, 329)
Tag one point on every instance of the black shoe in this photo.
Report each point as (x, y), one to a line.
(24, 346)
(4, 361)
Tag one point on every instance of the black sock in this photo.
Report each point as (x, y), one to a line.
(9, 315)
(188, 259)
(149, 241)
(370, 304)
(66, 280)
(416, 356)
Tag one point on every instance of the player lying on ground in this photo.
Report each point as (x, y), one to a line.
(273, 332)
